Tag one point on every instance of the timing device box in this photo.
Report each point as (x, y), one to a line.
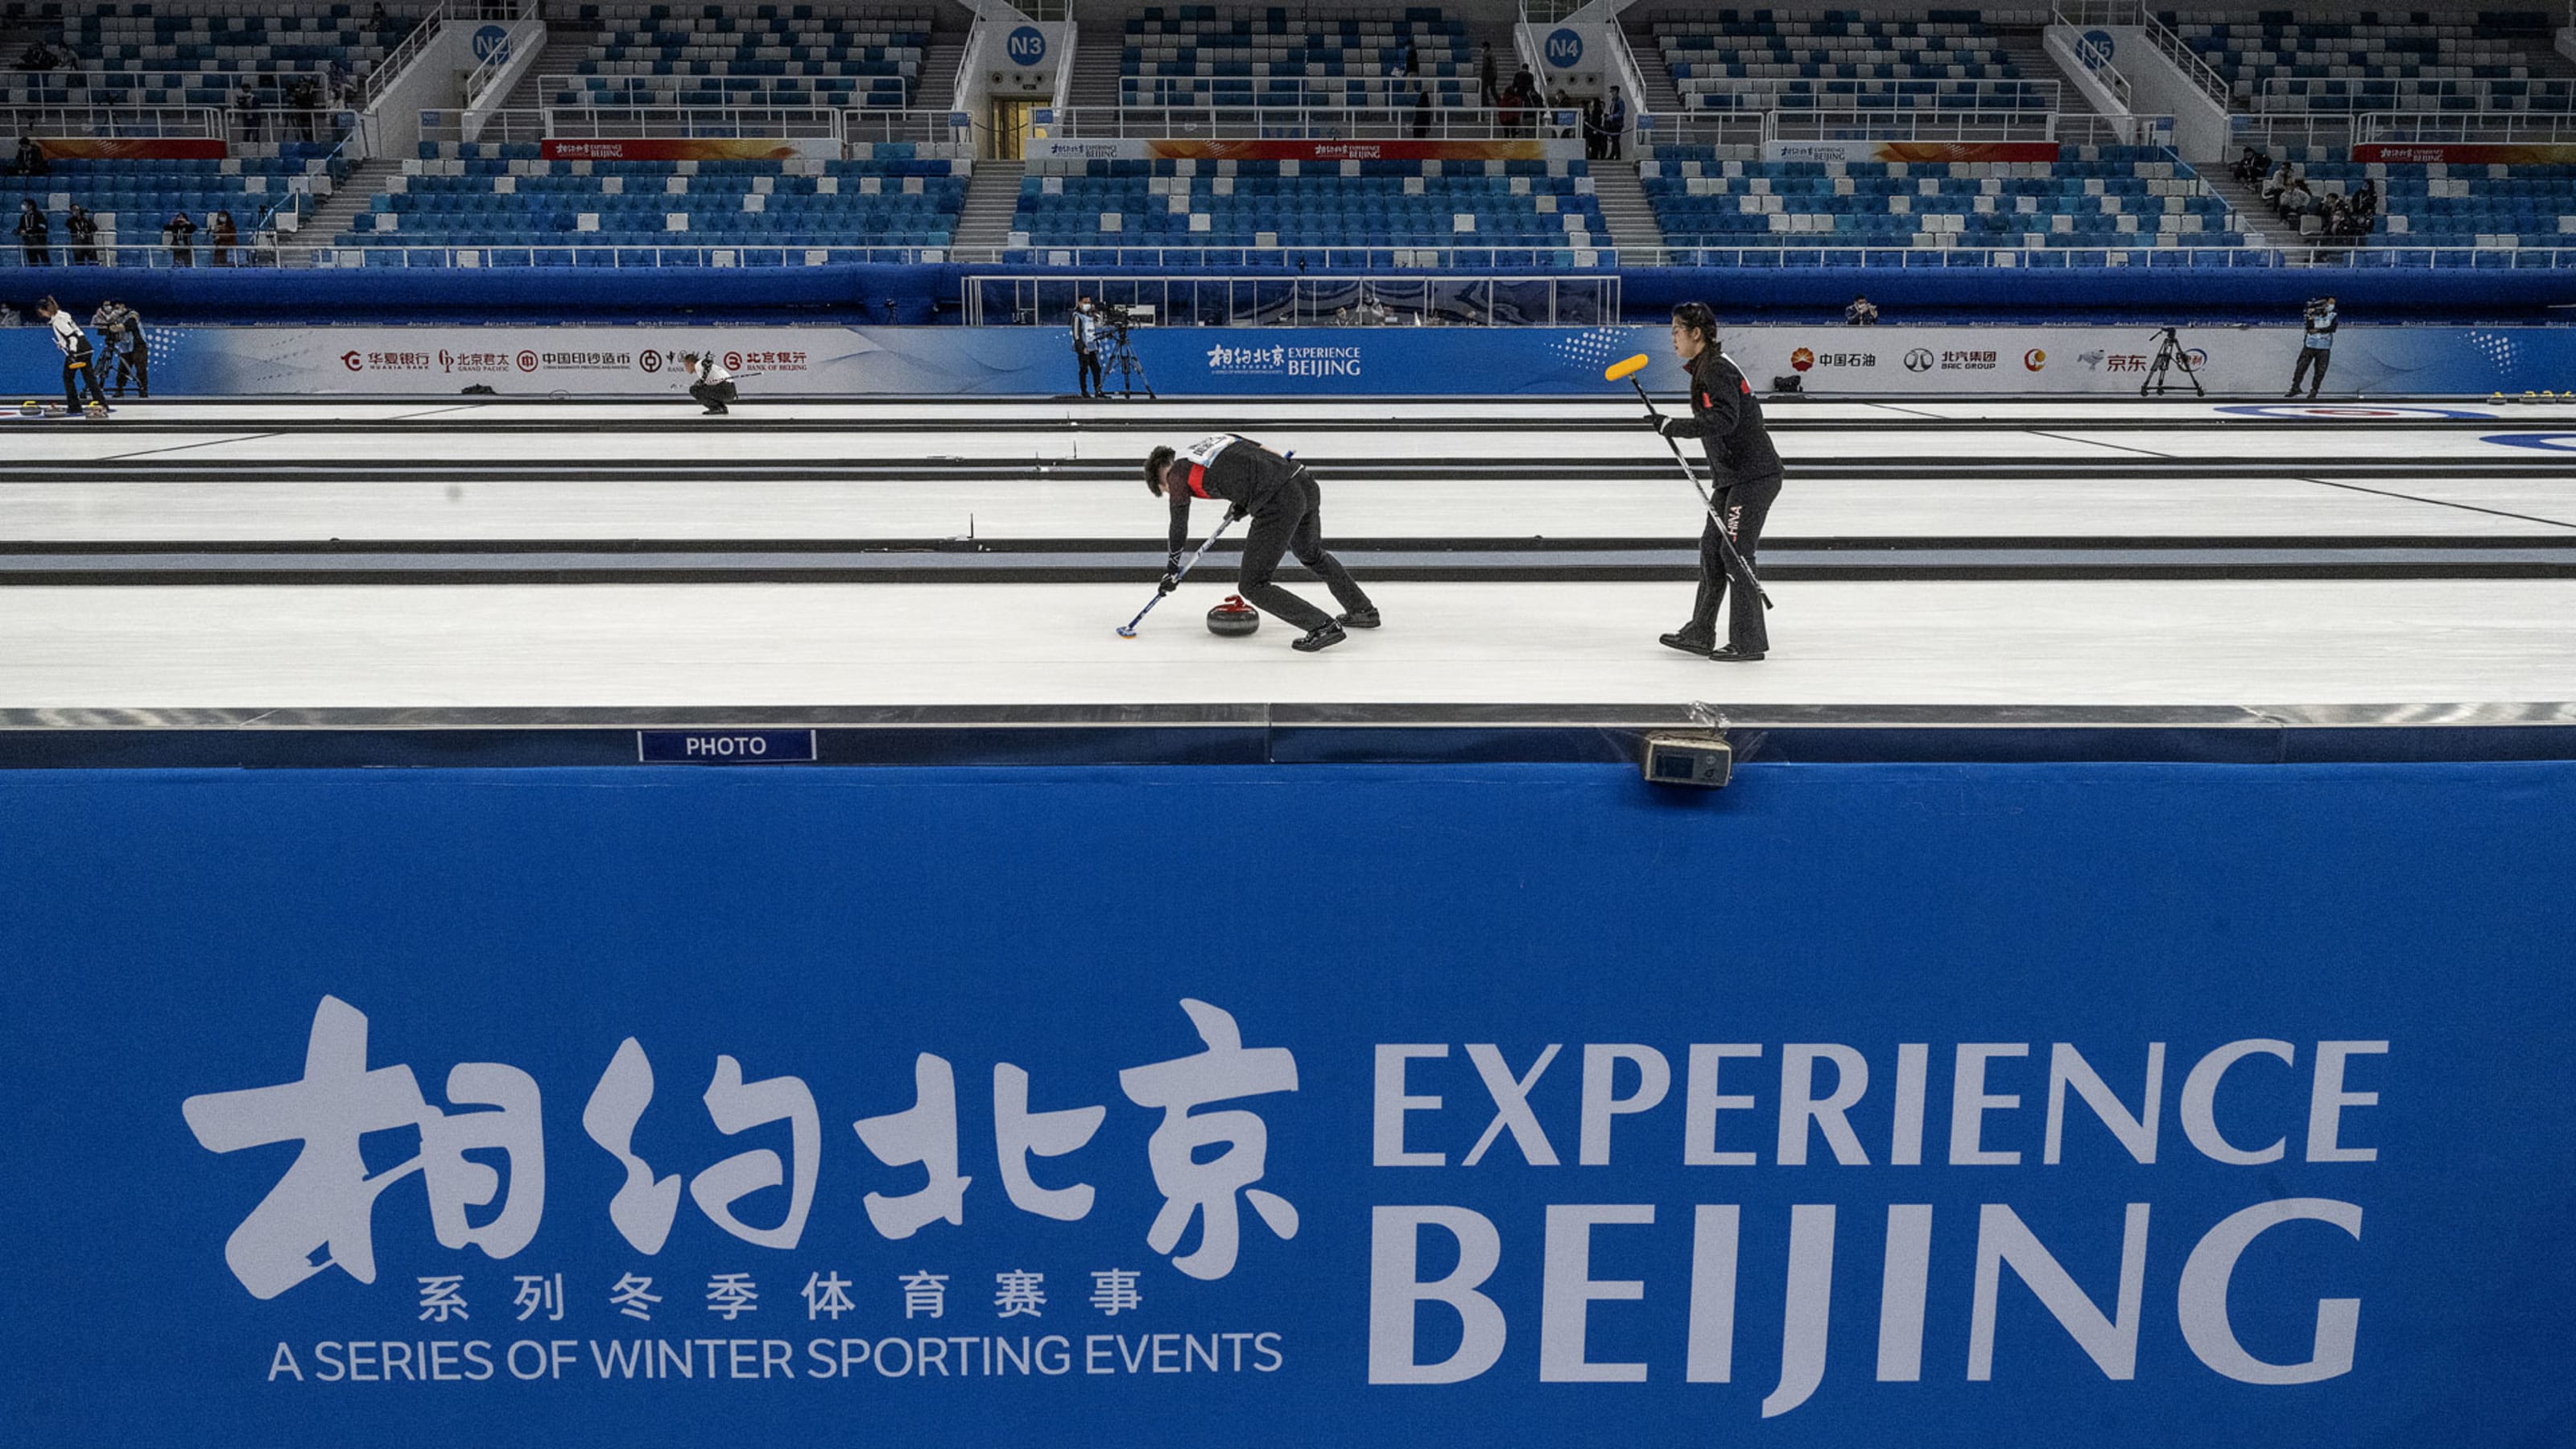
(1688, 760)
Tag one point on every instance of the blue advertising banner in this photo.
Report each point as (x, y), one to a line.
(643, 361)
(1853, 1105)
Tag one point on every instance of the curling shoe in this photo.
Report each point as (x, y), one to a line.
(1732, 655)
(1363, 618)
(715, 408)
(1690, 639)
(1322, 636)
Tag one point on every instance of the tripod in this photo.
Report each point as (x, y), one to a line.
(2169, 354)
(1120, 362)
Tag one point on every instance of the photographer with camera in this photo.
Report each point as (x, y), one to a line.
(1087, 325)
(2316, 347)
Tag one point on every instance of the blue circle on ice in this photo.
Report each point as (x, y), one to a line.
(2350, 413)
(2543, 442)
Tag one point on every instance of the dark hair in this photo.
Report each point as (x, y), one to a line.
(1155, 463)
(1697, 317)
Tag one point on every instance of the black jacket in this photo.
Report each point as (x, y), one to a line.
(1727, 418)
(1235, 470)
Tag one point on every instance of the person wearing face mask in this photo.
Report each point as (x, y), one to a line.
(1744, 479)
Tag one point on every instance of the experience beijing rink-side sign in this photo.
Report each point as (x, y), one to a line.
(579, 1107)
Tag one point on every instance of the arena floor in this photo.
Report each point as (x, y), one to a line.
(531, 557)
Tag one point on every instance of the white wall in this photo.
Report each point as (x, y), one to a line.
(2157, 87)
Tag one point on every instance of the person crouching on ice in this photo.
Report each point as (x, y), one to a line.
(709, 383)
(1285, 506)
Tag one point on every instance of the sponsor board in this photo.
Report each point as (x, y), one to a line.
(1183, 149)
(117, 148)
(1938, 151)
(1889, 360)
(657, 1104)
(2467, 153)
(655, 148)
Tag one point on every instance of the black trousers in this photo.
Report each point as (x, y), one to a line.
(81, 369)
(133, 364)
(1095, 378)
(39, 254)
(2319, 357)
(1290, 521)
(714, 394)
(1744, 506)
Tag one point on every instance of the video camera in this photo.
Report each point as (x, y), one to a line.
(1114, 319)
(2318, 307)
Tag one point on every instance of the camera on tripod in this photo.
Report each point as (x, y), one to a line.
(1114, 319)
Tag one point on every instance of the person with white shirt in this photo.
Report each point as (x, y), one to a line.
(709, 383)
(79, 358)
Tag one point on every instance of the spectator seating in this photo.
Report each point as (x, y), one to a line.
(2378, 61)
(1731, 60)
(2091, 197)
(1204, 55)
(124, 54)
(703, 56)
(506, 198)
(132, 199)
(1255, 207)
(2452, 206)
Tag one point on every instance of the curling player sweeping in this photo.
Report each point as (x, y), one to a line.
(1744, 478)
(1285, 506)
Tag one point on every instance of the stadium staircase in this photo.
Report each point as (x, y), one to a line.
(1660, 97)
(340, 209)
(936, 90)
(566, 47)
(992, 197)
(2028, 47)
(1624, 207)
(2261, 227)
(1095, 58)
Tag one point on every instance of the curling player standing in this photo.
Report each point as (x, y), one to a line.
(1285, 506)
(1744, 478)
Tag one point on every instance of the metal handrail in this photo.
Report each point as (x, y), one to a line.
(2049, 95)
(132, 122)
(2462, 126)
(491, 66)
(2185, 59)
(1255, 122)
(400, 58)
(1978, 125)
(1336, 301)
(2097, 63)
(768, 90)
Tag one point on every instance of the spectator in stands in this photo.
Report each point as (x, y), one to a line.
(35, 233)
(1861, 313)
(1593, 142)
(376, 20)
(1526, 96)
(9, 316)
(306, 98)
(180, 237)
(246, 107)
(709, 383)
(83, 230)
(1614, 124)
(225, 237)
(2275, 182)
(37, 59)
(1410, 62)
(1507, 118)
(1489, 84)
(342, 85)
(1422, 111)
(2365, 208)
(2243, 170)
(31, 158)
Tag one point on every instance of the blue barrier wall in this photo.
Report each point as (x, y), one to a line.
(926, 293)
(1934, 1105)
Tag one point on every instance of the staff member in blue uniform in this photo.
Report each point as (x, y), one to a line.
(1285, 506)
(1744, 478)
